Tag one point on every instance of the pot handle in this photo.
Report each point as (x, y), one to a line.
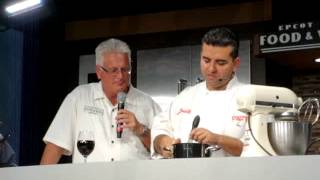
(212, 148)
(310, 144)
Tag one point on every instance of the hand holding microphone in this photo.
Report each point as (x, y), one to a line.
(121, 98)
(126, 119)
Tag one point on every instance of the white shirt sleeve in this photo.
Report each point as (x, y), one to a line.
(61, 129)
(161, 125)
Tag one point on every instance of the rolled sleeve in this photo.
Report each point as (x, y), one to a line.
(161, 125)
(60, 131)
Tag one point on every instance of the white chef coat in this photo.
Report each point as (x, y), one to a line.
(217, 111)
(87, 108)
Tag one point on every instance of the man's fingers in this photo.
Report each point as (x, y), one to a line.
(122, 116)
(176, 141)
(195, 134)
(167, 154)
(202, 136)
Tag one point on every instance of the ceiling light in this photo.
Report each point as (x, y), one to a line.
(23, 6)
(317, 60)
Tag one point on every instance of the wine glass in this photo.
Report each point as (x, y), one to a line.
(85, 143)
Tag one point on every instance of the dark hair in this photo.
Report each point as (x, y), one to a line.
(222, 37)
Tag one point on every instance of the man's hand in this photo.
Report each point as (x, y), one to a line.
(229, 144)
(163, 145)
(204, 136)
(129, 120)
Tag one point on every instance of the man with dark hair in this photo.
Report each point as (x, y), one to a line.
(221, 125)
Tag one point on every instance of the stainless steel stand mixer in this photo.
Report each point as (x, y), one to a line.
(293, 137)
(265, 135)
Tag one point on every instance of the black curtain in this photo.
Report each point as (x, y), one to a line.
(29, 145)
(49, 73)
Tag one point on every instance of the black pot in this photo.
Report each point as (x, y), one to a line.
(190, 150)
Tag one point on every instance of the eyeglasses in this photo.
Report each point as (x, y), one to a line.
(115, 70)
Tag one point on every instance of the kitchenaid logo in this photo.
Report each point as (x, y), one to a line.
(295, 36)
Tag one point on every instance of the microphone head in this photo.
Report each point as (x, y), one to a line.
(121, 97)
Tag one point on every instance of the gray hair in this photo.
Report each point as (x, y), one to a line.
(111, 45)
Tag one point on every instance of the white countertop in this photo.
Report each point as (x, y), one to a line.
(235, 168)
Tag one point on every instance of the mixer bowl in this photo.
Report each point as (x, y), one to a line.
(289, 137)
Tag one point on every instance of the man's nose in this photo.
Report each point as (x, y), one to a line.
(212, 67)
(119, 74)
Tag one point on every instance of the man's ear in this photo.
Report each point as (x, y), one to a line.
(236, 64)
(98, 72)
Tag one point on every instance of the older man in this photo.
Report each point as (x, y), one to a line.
(93, 107)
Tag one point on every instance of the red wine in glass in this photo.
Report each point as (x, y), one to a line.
(85, 147)
(85, 143)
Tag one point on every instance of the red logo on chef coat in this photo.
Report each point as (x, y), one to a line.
(239, 118)
(188, 111)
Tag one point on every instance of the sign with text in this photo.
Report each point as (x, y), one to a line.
(294, 36)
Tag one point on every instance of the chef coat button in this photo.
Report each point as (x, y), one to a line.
(112, 141)
(112, 126)
(112, 159)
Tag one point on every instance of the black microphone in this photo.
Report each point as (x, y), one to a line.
(226, 78)
(121, 98)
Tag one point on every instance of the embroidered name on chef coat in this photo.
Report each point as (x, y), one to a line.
(184, 110)
(93, 110)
